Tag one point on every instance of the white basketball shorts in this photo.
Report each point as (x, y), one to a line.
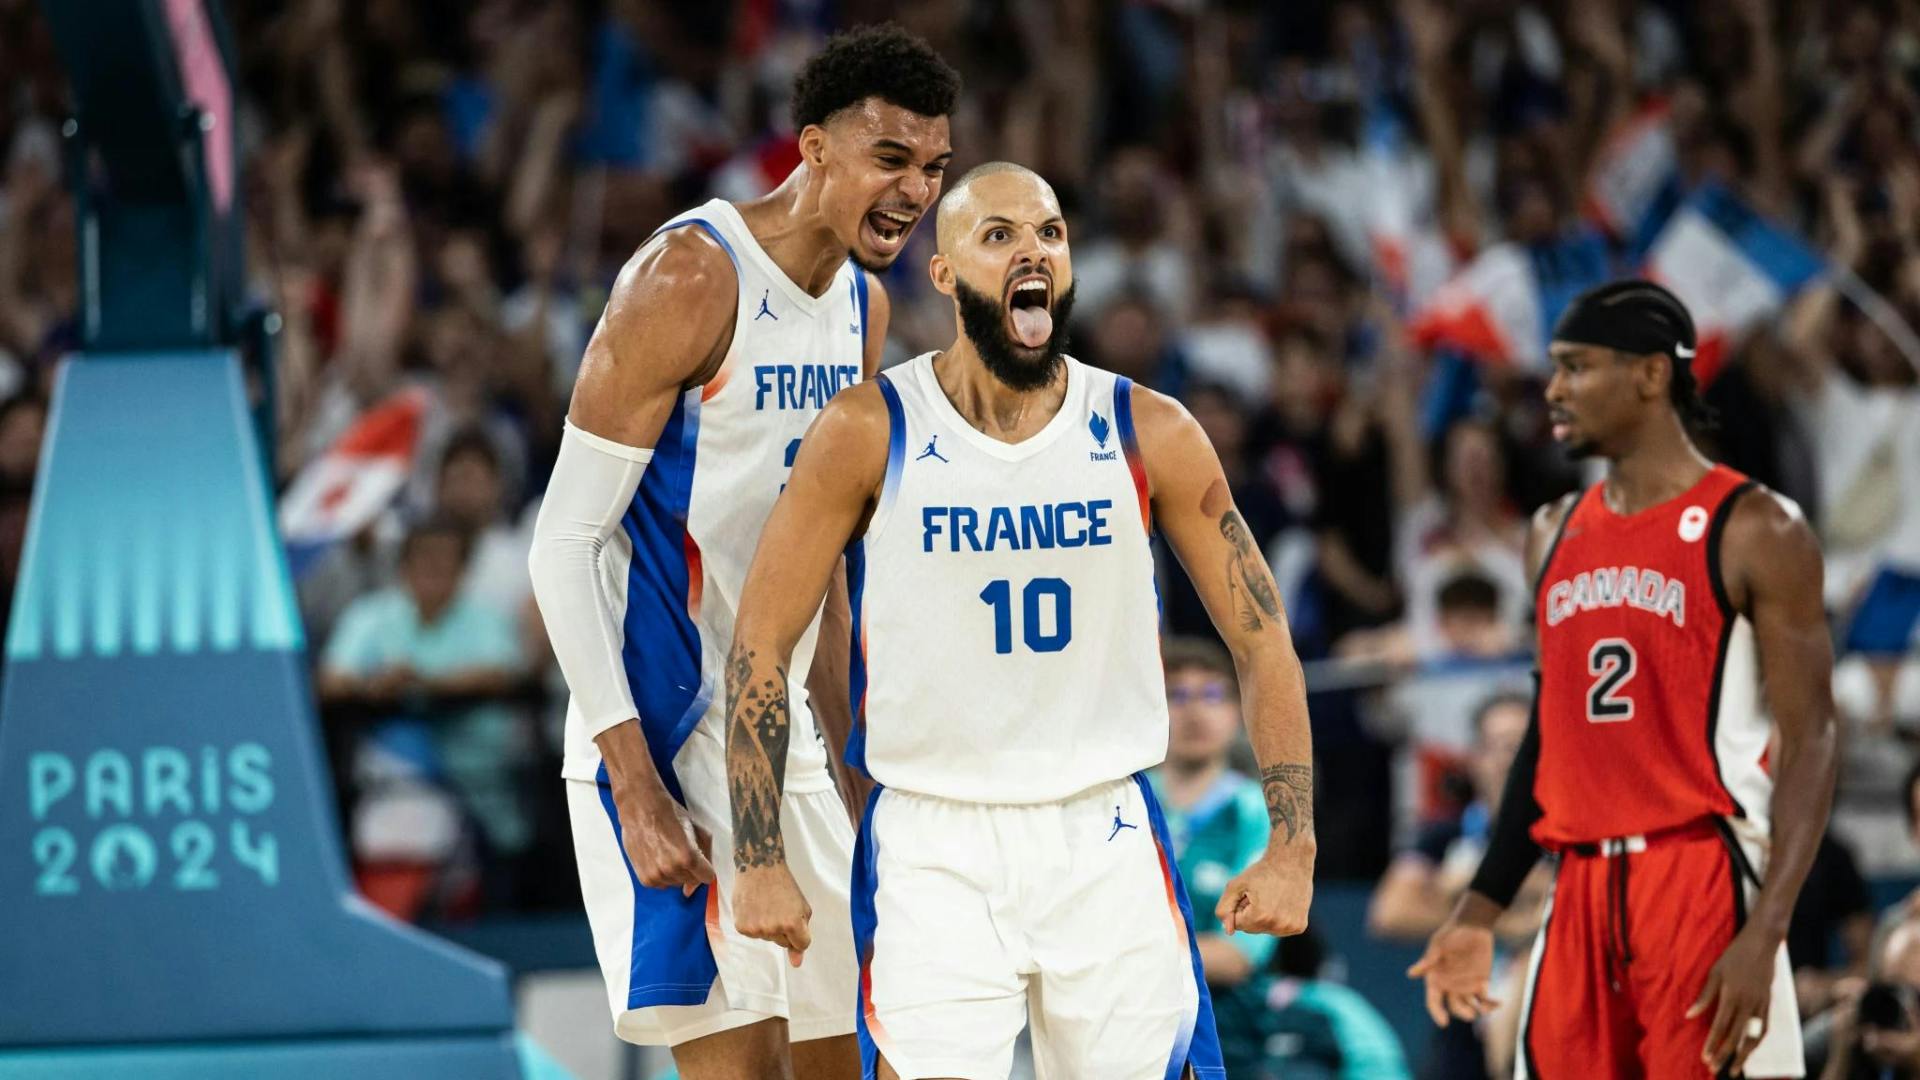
(649, 940)
(975, 920)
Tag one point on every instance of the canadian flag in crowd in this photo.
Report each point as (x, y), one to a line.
(1732, 268)
(343, 490)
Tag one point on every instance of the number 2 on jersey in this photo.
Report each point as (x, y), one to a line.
(999, 596)
(1611, 661)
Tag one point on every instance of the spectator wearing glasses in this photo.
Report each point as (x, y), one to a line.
(1217, 818)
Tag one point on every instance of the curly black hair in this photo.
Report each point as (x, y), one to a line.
(880, 61)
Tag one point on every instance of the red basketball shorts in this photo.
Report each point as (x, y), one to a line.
(1632, 930)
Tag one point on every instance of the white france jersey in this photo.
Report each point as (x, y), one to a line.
(675, 572)
(1007, 621)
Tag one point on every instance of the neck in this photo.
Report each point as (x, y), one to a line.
(991, 406)
(787, 224)
(1659, 464)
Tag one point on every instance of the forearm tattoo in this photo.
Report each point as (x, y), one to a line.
(1289, 791)
(1249, 581)
(758, 725)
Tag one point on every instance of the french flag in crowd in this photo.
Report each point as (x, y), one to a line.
(1410, 257)
(1635, 183)
(1502, 306)
(343, 490)
(1732, 268)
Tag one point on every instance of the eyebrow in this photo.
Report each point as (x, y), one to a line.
(992, 219)
(897, 145)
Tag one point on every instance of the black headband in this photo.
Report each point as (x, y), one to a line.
(1636, 317)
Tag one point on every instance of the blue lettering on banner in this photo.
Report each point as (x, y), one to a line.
(1016, 528)
(800, 386)
(157, 817)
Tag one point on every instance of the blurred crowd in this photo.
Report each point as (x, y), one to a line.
(439, 194)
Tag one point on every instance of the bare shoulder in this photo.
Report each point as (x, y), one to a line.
(860, 408)
(1173, 446)
(1159, 414)
(1764, 525)
(1547, 519)
(1544, 527)
(854, 428)
(1768, 552)
(681, 283)
(667, 326)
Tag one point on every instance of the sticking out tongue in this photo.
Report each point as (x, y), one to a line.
(1032, 326)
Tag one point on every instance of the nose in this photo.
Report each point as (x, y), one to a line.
(1028, 252)
(1556, 387)
(916, 187)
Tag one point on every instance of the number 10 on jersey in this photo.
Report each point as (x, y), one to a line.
(999, 596)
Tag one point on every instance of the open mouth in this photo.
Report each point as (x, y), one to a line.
(1030, 310)
(887, 229)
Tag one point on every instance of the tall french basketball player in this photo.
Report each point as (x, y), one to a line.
(726, 334)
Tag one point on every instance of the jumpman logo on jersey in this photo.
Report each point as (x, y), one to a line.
(765, 311)
(1118, 825)
(932, 451)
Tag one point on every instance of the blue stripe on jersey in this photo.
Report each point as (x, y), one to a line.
(1123, 413)
(673, 963)
(856, 752)
(1198, 1045)
(665, 966)
(661, 646)
(718, 238)
(896, 443)
(866, 918)
(860, 300)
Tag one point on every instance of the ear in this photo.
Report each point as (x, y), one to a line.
(941, 272)
(1656, 375)
(813, 145)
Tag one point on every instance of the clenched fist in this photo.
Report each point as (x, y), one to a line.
(767, 904)
(1270, 897)
(664, 846)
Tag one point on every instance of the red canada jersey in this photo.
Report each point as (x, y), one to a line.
(1649, 700)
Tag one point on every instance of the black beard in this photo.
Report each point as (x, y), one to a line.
(984, 320)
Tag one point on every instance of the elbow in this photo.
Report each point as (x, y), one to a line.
(1266, 657)
(549, 566)
(754, 636)
(540, 573)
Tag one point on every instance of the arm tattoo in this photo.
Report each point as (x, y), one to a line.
(1249, 581)
(1289, 790)
(758, 724)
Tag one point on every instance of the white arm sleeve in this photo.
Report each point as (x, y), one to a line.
(593, 484)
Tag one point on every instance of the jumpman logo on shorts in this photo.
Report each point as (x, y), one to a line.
(932, 451)
(1118, 825)
(765, 311)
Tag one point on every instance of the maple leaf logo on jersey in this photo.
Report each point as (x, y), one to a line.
(1693, 523)
(1098, 425)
